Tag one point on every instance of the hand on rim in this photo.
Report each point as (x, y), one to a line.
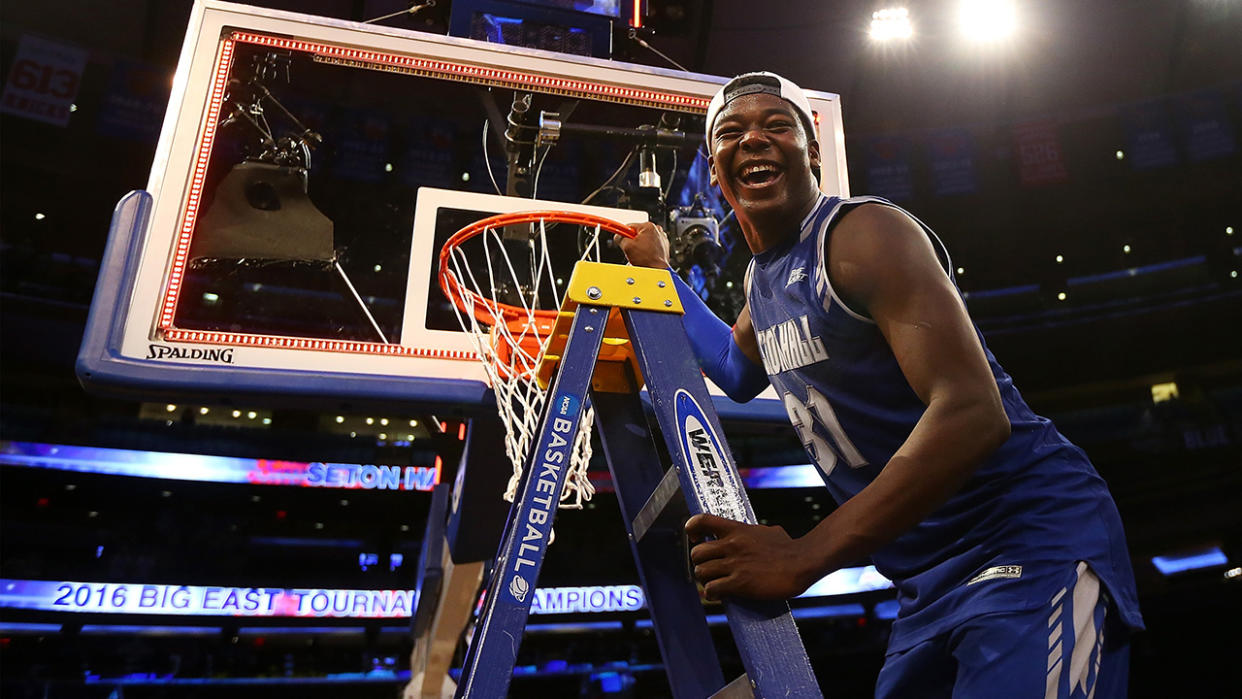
(648, 248)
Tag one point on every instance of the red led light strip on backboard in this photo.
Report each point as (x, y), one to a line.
(492, 76)
(219, 80)
(371, 59)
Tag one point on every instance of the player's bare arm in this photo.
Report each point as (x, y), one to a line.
(882, 263)
(744, 335)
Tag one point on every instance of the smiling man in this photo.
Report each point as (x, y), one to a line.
(1004, 544)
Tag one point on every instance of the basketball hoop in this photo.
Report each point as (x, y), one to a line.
(509, 306)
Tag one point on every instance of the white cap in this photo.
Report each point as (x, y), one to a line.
(762, 81)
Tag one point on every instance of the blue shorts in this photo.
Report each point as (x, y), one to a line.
(1059, 650)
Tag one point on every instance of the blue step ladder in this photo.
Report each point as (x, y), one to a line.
(618, 326)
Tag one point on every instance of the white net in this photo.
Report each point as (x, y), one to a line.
(510, 280)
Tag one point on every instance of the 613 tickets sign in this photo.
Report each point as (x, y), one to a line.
(44, 80)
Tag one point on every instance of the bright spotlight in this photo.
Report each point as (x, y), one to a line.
(987, 20)
(891, 23)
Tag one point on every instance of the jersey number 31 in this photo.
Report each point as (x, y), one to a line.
(804, 416)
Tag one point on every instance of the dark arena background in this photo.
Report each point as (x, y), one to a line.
(1084, 170)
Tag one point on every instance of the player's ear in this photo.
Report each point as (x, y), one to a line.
(711, 170)
(812, 151)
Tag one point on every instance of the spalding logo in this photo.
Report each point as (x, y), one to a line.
(518, 587)
(207, 354)
(715, 480)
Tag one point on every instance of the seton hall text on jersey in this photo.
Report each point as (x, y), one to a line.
(790, 345)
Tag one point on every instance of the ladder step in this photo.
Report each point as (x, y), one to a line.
(737, 689)
(660, 497)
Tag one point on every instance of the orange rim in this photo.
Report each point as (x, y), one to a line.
(521, 340)
(470, 302)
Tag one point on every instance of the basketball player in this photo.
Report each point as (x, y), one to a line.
(1004, 544)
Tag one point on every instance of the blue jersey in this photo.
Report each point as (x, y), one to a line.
(1034, 507)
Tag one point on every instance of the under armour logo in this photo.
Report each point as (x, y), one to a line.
(796, 274)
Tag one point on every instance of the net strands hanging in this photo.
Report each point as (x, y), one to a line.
(509, 306)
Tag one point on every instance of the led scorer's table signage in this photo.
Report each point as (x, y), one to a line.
(217, 469)
(566, 600)
(197, 600)
(316, 474)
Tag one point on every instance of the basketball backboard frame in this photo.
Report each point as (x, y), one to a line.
(132, 344)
